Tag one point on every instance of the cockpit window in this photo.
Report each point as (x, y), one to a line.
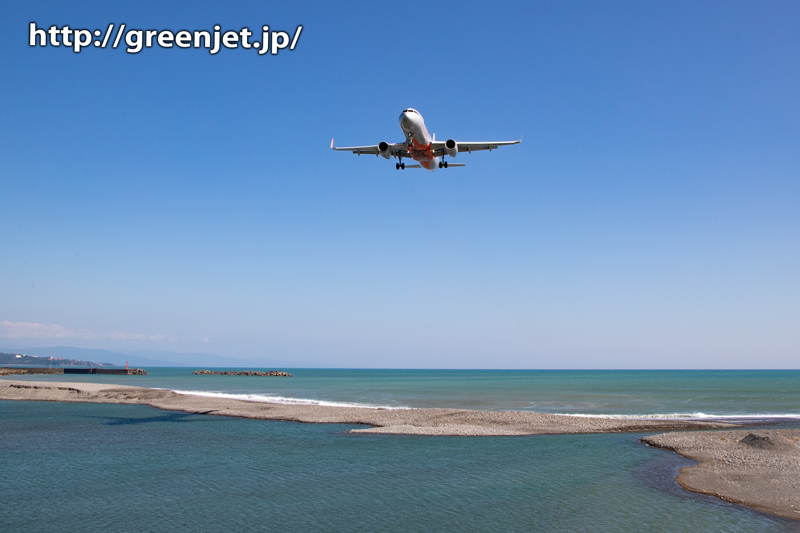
(409, 110)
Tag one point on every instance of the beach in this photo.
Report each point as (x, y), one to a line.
(759, 469)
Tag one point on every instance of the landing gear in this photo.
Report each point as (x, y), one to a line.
(442, 164)
(398, 166)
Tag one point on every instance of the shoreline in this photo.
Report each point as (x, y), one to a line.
(415, 421)
(759, 469)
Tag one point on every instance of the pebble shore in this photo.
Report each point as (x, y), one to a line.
(759, 469)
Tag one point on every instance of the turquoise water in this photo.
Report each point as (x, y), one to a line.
(107, 468)
(681, 393)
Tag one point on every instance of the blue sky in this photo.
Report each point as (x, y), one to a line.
(175, 200)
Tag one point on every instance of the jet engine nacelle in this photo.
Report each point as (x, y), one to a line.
(451, 147)
(383, 148)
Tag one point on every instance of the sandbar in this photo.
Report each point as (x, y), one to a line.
(756, 468)
(424, 421)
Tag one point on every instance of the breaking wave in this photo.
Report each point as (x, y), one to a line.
(281, 399)
(692, 416)
(263, 398)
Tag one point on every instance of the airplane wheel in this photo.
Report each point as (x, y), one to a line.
(440, 164)
(403, 166)
(445, 164)
(397, 166)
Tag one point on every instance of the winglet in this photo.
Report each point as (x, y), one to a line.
(331, 143)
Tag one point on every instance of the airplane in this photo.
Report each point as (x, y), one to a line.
(420, 146)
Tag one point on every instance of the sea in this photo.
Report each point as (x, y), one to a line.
(107, 467)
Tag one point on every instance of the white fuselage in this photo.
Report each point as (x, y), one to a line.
(418, 139)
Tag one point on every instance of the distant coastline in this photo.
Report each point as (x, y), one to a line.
(61, 370)
(33, 360)
(155, 358)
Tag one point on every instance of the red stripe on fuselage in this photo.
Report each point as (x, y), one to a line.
(420, 152)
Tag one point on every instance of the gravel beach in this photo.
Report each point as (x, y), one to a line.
(759, 468)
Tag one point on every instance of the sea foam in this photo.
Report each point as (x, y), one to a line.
(690, 416)
(281, 399)
(655, 416)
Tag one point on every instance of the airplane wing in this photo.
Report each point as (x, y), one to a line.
(394, 149)
(438, 146)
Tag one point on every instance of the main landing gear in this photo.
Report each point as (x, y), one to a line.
(398, 166)
(442, 164)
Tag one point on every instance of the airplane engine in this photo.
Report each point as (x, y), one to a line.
(451, 147)
(383, 148)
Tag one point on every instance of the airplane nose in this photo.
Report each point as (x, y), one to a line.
(405, 121)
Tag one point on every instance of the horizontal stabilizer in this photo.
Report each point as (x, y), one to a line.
(413, 166)
(455, 165)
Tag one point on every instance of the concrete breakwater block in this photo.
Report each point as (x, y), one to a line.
(271, 373)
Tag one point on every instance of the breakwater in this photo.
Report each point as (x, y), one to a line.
(271, 373)
(20, 371)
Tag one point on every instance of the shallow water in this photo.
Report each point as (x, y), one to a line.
(677, 393)
(104, 467)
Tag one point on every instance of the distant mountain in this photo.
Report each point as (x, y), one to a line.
(213, 360)
(193, 359)
(145, 358)
(107, 356)
(32, 360)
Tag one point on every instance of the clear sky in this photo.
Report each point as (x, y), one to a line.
(177, 200)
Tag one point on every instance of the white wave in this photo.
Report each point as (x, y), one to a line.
(692, 416)
(280, 399)
(665, 416)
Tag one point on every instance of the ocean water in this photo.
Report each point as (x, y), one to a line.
(98, 467)
(118, 468)
(638, 393)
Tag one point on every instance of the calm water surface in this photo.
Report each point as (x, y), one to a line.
(102, 468)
